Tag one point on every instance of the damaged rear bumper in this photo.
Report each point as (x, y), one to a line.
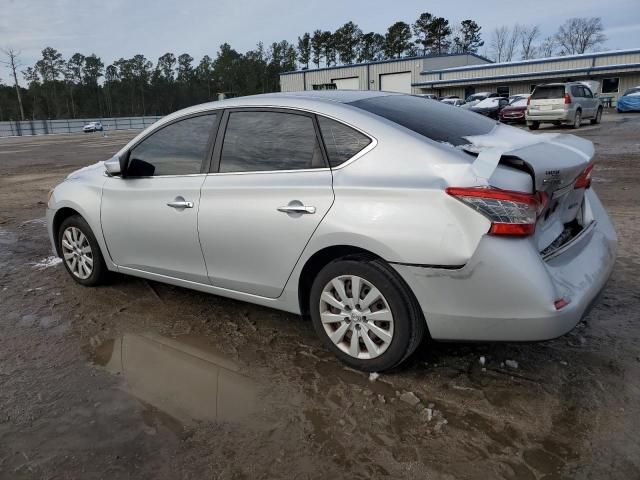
(507, 290)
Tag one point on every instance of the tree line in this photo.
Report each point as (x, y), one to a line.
(83, 87)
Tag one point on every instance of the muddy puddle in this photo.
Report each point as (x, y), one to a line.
(183, 379)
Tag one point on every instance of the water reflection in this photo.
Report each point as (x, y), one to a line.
(180, 377)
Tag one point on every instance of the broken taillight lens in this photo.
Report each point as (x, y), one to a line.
(584, 180)
(511, 213)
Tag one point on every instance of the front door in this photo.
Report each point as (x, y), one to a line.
(149, 216)
(270, 189)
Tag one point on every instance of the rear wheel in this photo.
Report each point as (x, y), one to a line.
(598, 118)
(577, 121)
(365, 313)
(534, 125)
(80, 252)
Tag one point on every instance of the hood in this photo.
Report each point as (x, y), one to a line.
(555, 160)
(91, 170)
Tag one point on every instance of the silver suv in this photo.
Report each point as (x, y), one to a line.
(568, 103)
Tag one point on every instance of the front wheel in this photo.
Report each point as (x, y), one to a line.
(365, 313)
(534, 125)
(598, 119)
(80, 252)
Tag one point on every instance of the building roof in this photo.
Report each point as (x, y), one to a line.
(558, 67)
(535, 61)
(389, 60)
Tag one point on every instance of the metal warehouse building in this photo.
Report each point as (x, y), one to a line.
(465, 74)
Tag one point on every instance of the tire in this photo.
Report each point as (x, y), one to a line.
(534, 125)
(398, 338)
(76, 241)
(598, 118)
(577, 120)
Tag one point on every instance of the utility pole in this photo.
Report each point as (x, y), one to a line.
(13, 63)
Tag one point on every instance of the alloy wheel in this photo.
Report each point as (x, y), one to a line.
(77, 253)
(356, 317)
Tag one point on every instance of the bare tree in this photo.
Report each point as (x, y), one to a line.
(498, 43)
(528, 35)
(511, 45)
(504, 43)
(548, 47)
(13, 62)
(580, 34)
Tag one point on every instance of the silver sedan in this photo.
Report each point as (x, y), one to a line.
(383, 217)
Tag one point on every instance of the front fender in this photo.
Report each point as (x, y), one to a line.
(84, 198)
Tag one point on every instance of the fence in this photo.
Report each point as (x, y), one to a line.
(48, 127)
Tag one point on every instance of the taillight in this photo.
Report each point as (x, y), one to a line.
(567, 99)
(584, 180)
(528, 101)
(511, 213)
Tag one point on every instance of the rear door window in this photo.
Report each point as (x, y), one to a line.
(342, 142)
(258, 141)
(577, 91)
(177, 149)
(547, 93)
(434, 120)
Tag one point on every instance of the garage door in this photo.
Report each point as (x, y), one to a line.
(396, 82)
(351, 83)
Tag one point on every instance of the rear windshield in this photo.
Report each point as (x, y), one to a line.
(542, 93)
(434, 120)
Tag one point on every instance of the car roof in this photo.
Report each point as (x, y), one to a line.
(286, 98)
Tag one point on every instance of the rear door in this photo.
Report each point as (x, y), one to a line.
(590, 101)
(269, 189)
(577, 94)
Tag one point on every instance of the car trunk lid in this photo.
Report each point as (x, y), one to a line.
(554, 162)
(550, 97)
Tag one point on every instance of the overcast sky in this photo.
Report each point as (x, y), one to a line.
(121, 28)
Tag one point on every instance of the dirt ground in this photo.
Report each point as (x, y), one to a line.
(143, 380)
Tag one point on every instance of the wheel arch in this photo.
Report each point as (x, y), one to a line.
(317, 262)
(60, 216)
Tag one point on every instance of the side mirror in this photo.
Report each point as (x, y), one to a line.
(117, 165)
(112, 166)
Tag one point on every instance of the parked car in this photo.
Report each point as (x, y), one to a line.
(490, 107)
(456, 102)
(630, 101)
(568, 103)
(92, 127)
(380, 215)
(514, 112)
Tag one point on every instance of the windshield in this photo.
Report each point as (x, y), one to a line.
(488, 102)
(519, 102)
(548, 92)
(633, 91)
(477, 96)
(433, 120)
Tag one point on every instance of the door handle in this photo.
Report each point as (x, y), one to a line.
(297, 209)
(180, 204)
